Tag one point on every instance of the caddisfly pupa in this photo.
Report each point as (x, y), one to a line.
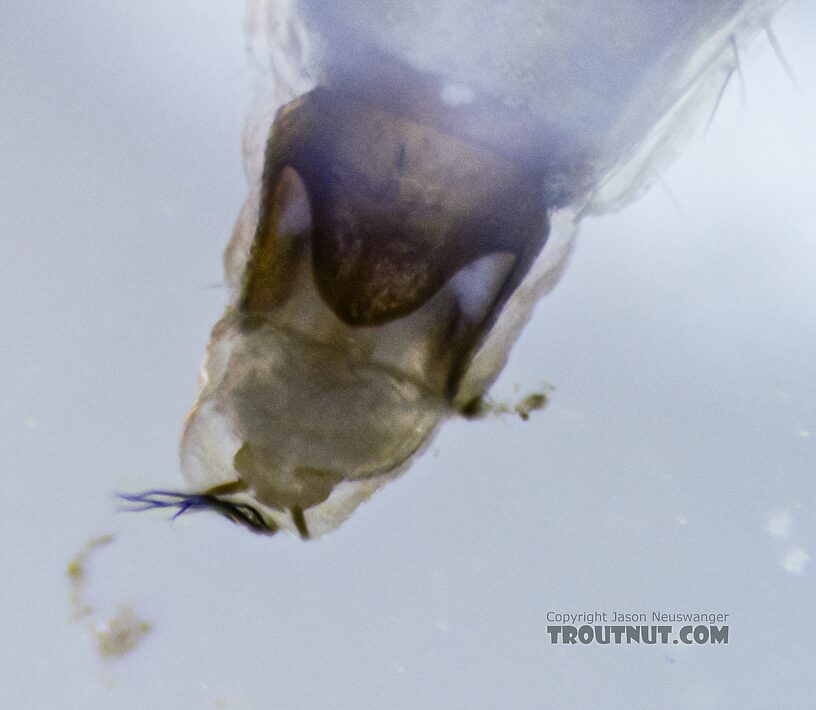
(417, 171)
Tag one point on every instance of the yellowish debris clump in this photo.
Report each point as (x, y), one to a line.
(119, 633)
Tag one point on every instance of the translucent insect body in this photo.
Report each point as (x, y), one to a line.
(415, 195)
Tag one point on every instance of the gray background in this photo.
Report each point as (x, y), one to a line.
(673, 470)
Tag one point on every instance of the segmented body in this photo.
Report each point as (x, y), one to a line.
(342, 349)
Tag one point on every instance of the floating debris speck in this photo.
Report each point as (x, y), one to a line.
(117, 634)
(120, 633)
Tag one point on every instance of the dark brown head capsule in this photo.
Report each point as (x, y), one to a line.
(396, 209)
